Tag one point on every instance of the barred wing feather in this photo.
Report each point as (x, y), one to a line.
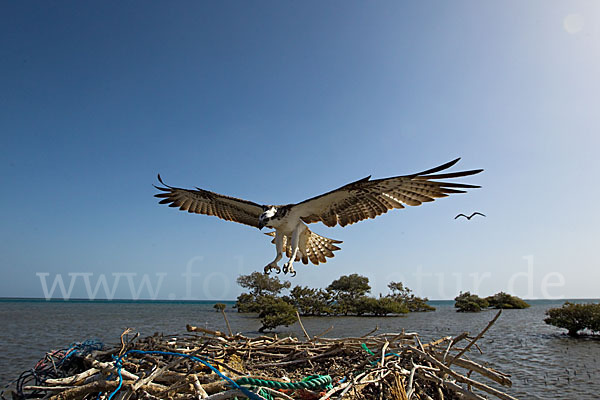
(208, 203)
(367, 198)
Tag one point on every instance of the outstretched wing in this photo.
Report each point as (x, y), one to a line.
(369, 198)
(208, 203)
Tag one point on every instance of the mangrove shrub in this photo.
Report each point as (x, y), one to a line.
(506, 301)
(309, 301)
(347, 292)
(346, 295)
(467, 302)
(274, 311)
(407, 299)
(575, 317)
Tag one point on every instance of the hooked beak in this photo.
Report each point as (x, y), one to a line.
(261, 224)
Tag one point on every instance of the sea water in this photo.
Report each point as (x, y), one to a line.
(543, 362)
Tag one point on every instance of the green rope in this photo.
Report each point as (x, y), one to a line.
(364, 346)
(312, 382)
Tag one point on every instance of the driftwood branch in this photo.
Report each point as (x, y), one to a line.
(467, 347)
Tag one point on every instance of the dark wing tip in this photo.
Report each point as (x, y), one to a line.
(161, 181)
(437, 169)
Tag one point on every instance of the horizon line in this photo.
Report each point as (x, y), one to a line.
(234, 300)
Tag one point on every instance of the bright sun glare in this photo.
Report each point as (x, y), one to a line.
(573, 23)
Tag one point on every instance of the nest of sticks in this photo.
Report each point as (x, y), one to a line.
(205, 364)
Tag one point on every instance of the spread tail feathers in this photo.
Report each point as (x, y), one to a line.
(311, 247)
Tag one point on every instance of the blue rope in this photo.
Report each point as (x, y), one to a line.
(387, 355)
(83, 348)
(119, 365)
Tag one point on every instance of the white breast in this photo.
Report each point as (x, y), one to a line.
(287, 224)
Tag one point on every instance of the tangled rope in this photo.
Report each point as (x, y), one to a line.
(312, 382)
(119, 366)
(55, 364)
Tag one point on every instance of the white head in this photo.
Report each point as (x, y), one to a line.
(266, 217)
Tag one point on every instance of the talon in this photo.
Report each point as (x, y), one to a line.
(293, 272)
(270, 267)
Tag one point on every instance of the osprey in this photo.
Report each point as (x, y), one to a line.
(351, 203)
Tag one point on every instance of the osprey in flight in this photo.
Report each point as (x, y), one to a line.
(351, 203)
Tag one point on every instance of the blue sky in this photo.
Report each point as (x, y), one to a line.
(280, 101)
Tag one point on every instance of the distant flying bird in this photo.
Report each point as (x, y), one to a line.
(470, 216)
(351, 203)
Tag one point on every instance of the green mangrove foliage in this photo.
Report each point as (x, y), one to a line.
(260, 286)
(274, 311)
(347, 295)
(506, 301)
(404, 296)
(309, 301)
(347, 292)
(575, 317)
(467, 302)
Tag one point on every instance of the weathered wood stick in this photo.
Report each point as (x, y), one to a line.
(467, 347)
(191, 328)
(303, 360)
(227, 323)
(383, 349)
(276, 394)
(229, 394)
(371, 332)
(461, 378)
(302, 326)
(70, 380)
(104, 366)
(411, 379)
(198, 387)
(157, 372)
(436, 342)
(324, 332)
(335, 389)
(347, 389)
(49, 388)
(215, 387)
(496, 376)
(79, 392)
(460, 337)
(465, 393)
